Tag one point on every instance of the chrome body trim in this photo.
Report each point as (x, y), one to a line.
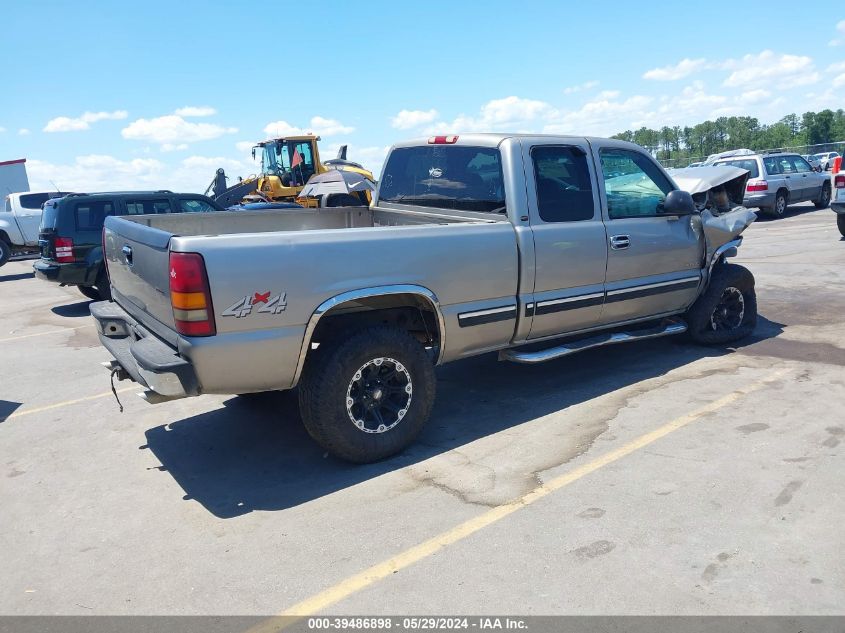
(364, 293)
(661, 284)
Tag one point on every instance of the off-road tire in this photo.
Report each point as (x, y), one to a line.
(103, 285)
(780, 206)
(824, 201)
(700, 317)
(329, 376)
(5, 251)
(840, 222)
(90, 291)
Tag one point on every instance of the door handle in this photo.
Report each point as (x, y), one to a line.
(127, 253)
(618, 242)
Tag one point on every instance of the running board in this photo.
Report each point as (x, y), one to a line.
(667, 328)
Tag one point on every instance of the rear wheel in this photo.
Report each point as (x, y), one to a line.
(780, 205)
(90, 291)
(727, 311)
(824, 200)
(368, 397)
(103, 285)
(840, 222)
(5, 251)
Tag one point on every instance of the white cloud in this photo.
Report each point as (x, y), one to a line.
(173, 129)
(170, 147)
(23, 132)
(512, 114)
(69, 124)
(189, 111)
(603, 115)
(768, 69)
(107, 173)
(587, 85)
(320, 126)
(754, 96)
(244, 146)
(407, 119)
(682, 69)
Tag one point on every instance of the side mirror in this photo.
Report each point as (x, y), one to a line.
(678, 203)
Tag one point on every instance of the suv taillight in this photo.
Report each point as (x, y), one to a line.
(757, 185)
(839, 181)
(64, 250)
(190, 295)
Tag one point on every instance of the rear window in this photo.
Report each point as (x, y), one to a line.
(148, 207)
(34, 200)
(90, 216)
(749, 163)
(457, 177)
(50, 216)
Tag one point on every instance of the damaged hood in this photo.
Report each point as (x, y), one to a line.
(700, 180)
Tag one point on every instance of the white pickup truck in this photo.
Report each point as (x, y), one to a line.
(19, 222)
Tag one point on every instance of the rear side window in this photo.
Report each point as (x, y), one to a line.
(564, 190)
(148, 207)
(195, 206)
(749, 163)
(91, 215)
(458, 177)
(34, 200)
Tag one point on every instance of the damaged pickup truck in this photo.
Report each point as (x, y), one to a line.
(532, 246)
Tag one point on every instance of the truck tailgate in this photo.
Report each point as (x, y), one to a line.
(138, 262)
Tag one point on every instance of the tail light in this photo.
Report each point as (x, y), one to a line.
(757, 185)
(442, 140)
(190, 295)
(839, 181)
(64, 250)
(105, 259)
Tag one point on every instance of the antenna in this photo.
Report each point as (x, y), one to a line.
(55, 185)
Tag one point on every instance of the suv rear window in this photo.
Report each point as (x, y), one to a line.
(50, 216)
(91, 215)
(747, 163)
(458, 177)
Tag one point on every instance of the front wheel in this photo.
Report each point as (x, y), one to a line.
(840, 222)
(824, 201)
(5, 251)
(368, 397)
(727, 311)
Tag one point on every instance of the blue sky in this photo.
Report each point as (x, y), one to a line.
(111, 95)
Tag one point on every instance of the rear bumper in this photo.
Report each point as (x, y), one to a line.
(762, 200)
(72, 274)
(147, 359)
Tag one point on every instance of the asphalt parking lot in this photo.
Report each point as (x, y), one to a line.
(654, 478)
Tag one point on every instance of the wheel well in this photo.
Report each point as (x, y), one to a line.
(784, 191)
(413, 313)
(5, 237)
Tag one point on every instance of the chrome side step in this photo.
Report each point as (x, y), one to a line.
(666, 328)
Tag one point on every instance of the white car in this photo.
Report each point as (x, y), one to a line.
(19, 221)
(826, 159)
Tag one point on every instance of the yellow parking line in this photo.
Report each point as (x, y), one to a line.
(66, 329)
(385, 569)
(67, 403)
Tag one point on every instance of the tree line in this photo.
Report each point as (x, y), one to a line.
(678, 145)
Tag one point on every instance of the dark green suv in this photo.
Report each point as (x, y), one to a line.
(70, 236)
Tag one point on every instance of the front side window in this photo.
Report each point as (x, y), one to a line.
(564, 189)
(90, 216)
(800, 165)
(457, 177)
(148, 207)
(634, 185)
(195, 206)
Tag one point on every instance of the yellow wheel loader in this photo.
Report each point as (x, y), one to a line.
(286, 165)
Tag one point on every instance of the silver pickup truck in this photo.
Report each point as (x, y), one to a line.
(532, 246)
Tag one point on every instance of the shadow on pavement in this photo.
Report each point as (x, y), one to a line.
(793, 210)
(7, 408)
(79, 309)
(254, 453)
(17, 276)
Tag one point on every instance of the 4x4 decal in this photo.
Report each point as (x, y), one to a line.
(261, 301)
